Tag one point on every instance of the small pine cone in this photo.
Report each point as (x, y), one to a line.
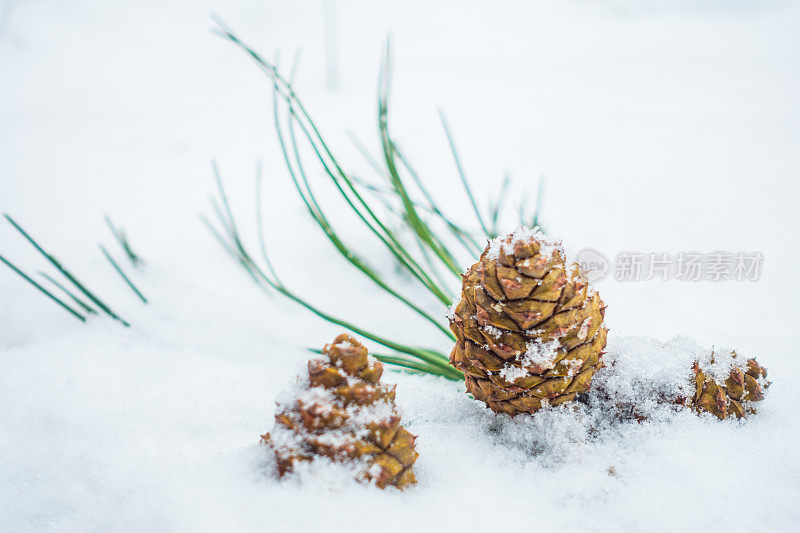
(727, 386)
(529, 329)
(345, 414)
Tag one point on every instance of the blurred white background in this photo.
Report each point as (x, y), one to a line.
(659, 127)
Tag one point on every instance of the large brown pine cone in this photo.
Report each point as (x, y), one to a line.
(344, 413)
(734, 390)
(529, 328)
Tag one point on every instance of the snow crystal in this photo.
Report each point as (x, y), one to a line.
(573, 365)
(512, 372)
(584, 329)
(374, 470)
(451, 311)
(315, 396)
(345, 344)
(718, 362)
(326, 476)
(540, 355)
(371, 413)
(496, 333)
(284, 439)
(337, 438)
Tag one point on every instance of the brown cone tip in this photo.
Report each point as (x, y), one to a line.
(529, 328)
(727, 385)
(345, 414)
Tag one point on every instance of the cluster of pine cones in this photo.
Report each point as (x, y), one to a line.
(530, 334)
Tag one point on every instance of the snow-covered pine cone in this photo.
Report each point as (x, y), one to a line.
(725, 385)
(644, 376)
(529, 329)
(344, 413)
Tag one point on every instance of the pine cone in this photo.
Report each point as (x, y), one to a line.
(345, 414)
(724, 386)
(529, 329)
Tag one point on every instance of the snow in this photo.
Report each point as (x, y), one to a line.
(451, 311)
(512, 373)
(644, 376)
(540, 355)
(321, 401)
(660, 127)
(719, 361)
(491, 330)
(574, 365)
(583, 331)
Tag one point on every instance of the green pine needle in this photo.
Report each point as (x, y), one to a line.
(122, 274)
(331, 167)
(41, 289)
(388, 214)
(267, 281)
(83, 305)
(122, 239)
(80, 286)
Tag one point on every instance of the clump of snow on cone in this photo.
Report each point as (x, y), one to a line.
(718, 363)
(549, 245)
(351, 428)
(323, 474)
(541, 355)
(538, 357)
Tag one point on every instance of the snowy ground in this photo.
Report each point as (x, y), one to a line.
(660, 127)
